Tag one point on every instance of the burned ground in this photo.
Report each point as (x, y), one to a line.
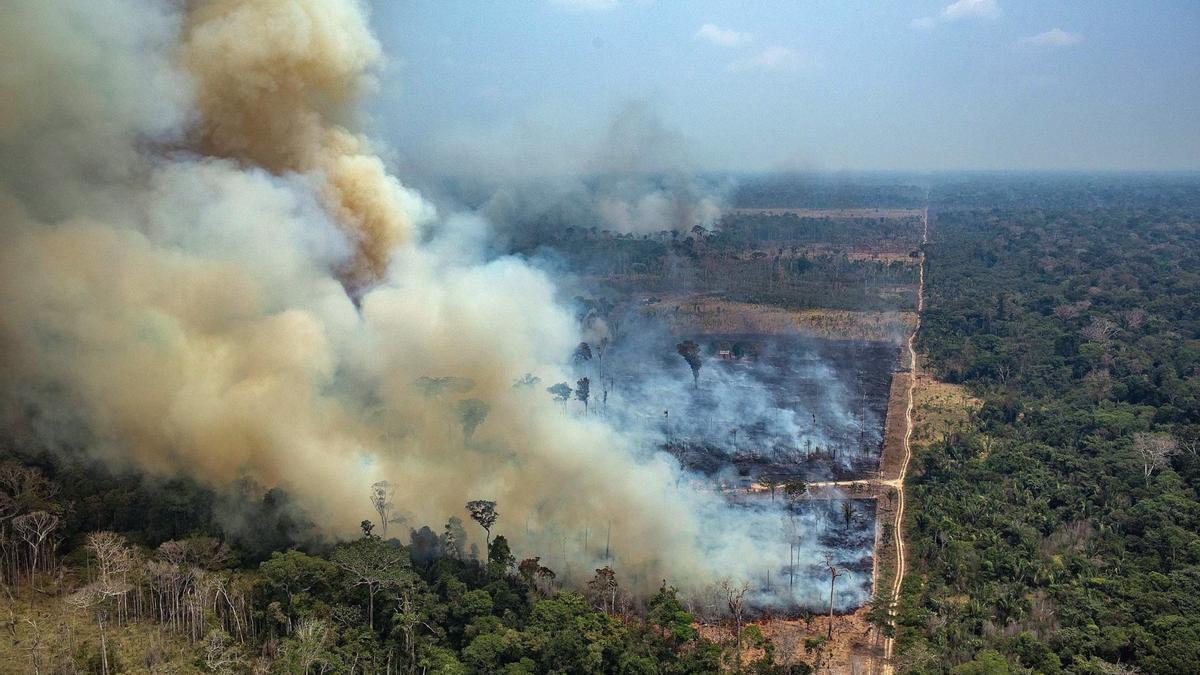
(765, 406)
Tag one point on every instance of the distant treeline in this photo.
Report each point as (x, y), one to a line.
(816, 191)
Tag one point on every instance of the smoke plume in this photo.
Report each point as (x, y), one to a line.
(204, 270)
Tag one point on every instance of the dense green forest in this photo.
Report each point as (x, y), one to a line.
(240, 581)
(1060, 530)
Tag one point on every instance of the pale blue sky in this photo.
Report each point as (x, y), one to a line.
(830, 84)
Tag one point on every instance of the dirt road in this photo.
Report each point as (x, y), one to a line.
(897, 525)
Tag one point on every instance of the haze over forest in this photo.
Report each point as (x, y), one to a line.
(599, 336)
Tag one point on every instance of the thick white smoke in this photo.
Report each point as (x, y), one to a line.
(185, 217)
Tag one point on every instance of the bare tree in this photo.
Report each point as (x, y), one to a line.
(1099, 330)
(381, 499)
(1133, 318)
(834, 573)
(601, 348)
(735, 595)
(34, 528)
(484, 512)
(114, 561)
(1154, 450)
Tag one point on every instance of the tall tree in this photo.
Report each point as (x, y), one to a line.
(735, 595)
(114, 562)
(471, 413)
(603, 589)
(381, 499)
(690, 351)
(34, 528)
(583, 354)
(1154, 449)
(372, 564)
(484, 512)
(834, 573)
(561, 392)
(583, 390)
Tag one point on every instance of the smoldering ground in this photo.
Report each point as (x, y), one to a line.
(204, 270)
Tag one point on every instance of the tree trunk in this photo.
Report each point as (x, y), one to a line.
(103, 650)
(371, 607)
(832, 579)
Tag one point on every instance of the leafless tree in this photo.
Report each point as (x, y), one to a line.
(1154, 450)
(381, 499)
(1133, 318)
(34, 528)
(735, 594)
(601, 348)
(219, 656)
(834, 573)
(1099, 330)
(114, 561)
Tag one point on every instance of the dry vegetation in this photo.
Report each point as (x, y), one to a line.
(39, 635)
(940, 408)
(836, 214)
(702, 315)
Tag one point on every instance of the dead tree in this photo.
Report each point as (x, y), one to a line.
(735, 594)
(1154, 450)
(34, 528)
(114, 561)
(381, 499)
(834, 573)
(1099, 330)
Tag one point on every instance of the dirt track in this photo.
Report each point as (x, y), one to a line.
(901, 567)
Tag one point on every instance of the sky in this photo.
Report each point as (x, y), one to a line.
(530, 86)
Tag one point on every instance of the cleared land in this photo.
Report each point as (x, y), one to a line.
(888, 214)
(705, 314)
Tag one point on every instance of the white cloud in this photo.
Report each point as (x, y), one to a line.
(722, 37)
(1055, 37)
(586, 5)
(771, 58)
(956, 11)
